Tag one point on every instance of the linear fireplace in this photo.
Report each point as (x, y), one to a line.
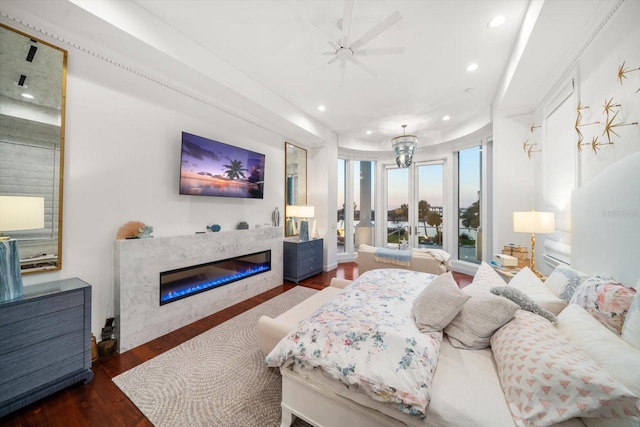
(184, 282)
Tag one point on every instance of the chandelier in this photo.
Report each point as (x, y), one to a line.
(403, 147)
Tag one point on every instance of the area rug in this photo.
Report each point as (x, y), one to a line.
(215, 379)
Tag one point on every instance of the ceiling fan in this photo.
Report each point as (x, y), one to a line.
(346, 51)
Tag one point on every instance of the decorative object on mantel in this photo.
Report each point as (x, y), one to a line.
(622, 73)
(214, 228)
(130, 230)
(528, 147)
(275, 217)
(242, 225)
(16, 213)
(145, 232)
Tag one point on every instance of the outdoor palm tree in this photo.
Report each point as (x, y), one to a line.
(235, 170)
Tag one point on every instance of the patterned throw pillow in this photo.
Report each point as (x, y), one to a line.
(631, 326)
(523, 301)
(564, 280)
(605, 300)
(546, 379)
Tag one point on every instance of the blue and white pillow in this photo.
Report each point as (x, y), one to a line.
(564, 281)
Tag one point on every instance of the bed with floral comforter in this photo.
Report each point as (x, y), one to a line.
(368, 340)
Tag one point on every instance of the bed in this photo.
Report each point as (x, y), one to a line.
(477, 387)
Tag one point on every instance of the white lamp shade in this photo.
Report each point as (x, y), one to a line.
(534, 222)
(21, 213)
(300, 211)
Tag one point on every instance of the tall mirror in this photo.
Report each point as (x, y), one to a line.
(32, 110)
(295, 182)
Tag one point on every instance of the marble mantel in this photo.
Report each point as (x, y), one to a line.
(138, 263)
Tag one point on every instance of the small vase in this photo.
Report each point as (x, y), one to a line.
(275, 217)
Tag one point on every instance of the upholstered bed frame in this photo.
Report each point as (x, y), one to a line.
(605, 239)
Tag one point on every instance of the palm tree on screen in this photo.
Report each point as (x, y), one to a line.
(235, 170)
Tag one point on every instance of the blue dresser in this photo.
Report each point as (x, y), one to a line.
(302, 259)
(45, 342)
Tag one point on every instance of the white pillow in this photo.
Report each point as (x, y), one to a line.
(631, 325)
(529, 284)
(486, 278)
(480, 316)
(438, 303)
(616, 356)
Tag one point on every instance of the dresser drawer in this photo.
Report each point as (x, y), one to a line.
(34, 379)
(40, 306)
(24, 333)
(44, 354)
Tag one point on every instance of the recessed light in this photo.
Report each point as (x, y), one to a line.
(369, 132)
(472, 67)
(496, 22)
(445, 118)
(321, 108)
(26, 95)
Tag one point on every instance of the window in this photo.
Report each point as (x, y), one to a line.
(469, 196)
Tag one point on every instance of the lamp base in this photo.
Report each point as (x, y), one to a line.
(10, 274)
(533, 256)
(304, 230)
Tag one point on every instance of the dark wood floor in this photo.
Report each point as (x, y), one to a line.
(101, 403)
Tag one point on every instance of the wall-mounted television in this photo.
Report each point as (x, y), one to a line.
(213, 168)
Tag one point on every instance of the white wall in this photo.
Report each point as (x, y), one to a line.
(519, 183)
(122, 163)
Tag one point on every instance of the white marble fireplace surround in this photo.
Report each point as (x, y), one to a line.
(139, 318)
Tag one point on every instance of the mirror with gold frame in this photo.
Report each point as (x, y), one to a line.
(295, 181)
(32, 116)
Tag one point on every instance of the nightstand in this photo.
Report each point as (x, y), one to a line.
(302, 259)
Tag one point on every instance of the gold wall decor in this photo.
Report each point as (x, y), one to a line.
(612, 110)
(622, 72)
(579, 124)
(529, 147)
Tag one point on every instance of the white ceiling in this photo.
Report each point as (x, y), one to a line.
(273, 52)
(282, 45)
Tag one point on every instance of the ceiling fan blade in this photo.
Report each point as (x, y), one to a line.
(347, 16)
(333, 45)
(380, 51)
(364, 67)
(333, 60)
(377, 30)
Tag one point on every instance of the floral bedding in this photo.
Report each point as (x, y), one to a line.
(367, 339)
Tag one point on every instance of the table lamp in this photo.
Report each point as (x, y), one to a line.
(304, 212)
(533, 222)
(16, 213)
